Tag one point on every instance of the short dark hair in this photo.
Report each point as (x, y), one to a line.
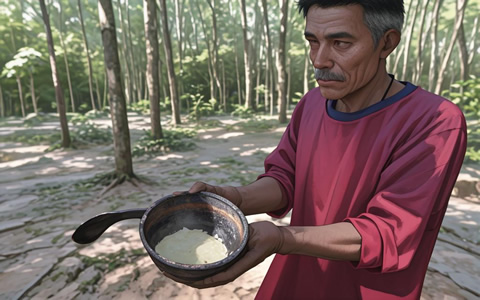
(379, 15)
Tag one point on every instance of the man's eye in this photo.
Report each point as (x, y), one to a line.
(312, 42)
(342, 44)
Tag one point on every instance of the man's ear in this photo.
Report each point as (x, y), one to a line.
(389, 42)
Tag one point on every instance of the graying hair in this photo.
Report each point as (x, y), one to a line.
(378, 15)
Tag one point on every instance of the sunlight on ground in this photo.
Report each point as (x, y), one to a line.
(168, 156)
(19, 162)
(79, 162)
(230, 135)
(253, 151)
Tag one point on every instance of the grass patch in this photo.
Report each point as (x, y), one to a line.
(178, 139)
(253, 125)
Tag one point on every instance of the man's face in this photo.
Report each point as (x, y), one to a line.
(342, 47)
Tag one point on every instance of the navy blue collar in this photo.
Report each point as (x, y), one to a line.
(342, 116)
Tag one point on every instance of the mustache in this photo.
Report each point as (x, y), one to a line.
(325, 74)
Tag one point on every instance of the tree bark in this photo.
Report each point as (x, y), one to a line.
(463, 53)
(420, 44)
(56, 80)
(212, 4)
(237, 71)
(281, 87)
(246, 56)
(433, 52)
(459, 16)
(151, 39)
(170, 68)
(408, 41)
(128, 79)
(269, 82)
(179, 28)
(137, 81)
(2, 104)
(32, 92)
(67, 69)
(118, 106)
(20, 95)
(87, 51)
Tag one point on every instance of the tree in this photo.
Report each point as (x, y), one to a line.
(460, 13)
(150, 15)
(11, 69)
(269, 82)
(174, 98)
(56, 80)
(246, 56)
(282, 97)
(87, 52)
(118, 106)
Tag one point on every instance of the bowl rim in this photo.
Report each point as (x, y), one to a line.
(196, 267)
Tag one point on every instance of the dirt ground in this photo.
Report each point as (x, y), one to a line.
(45, 196)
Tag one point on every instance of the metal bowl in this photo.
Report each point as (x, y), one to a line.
(205, 211)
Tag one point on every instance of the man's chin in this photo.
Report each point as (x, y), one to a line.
(330, 93)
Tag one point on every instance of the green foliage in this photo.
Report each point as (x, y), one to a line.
(88, 133)
(177, 139)
(242, 112)
(473, 143)
(31, 138)
(253, 125)
(140, 107)
(199, 107)
(78, 118)
(466, 94)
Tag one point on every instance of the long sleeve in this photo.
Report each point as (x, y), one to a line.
(411, 198)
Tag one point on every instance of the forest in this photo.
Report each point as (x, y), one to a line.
(198, 58)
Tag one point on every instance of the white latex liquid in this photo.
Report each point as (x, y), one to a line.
(191, 247)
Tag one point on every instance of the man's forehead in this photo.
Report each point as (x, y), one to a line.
(337, 21)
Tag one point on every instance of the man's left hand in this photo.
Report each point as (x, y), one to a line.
(264, 240)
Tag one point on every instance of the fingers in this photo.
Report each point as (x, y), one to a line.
(195, 188)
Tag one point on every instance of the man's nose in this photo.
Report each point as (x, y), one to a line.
(322, 58)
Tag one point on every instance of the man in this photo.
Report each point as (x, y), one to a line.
(367, 165)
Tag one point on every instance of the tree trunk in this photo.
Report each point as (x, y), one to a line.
(433, 53)
(212, 84)
(473, 42)
(32, 92)
(137, 84)
(151, 39)
(56, 80)
(269, 82)
(463, 53)
(212, 4)
(2, 104)
(179, 28)
(170, 68)
(128, 79)
(87, 51)
(118, 106)
(459, 16)
(97, 91)
(246, 56)
(20, 95)
(67, 69)
(420, 44)
(282, 97)
(408, 41)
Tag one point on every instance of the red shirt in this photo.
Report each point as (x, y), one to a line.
(388, 169)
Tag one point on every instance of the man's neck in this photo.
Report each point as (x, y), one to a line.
(368, 95)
